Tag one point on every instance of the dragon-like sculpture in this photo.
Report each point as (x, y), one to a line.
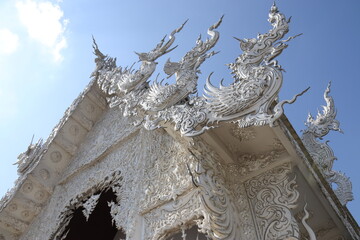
(186, 72)
(257, 79)
(321, 152)
(249, 100)
(118, 81)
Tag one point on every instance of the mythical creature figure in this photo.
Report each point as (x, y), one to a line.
(257, 79)
(116, 81)
(249, 100)
(186, 72)
(322, 154)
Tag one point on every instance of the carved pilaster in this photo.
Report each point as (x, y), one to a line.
(272, 196)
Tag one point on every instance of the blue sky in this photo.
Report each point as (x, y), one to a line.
(46, 59)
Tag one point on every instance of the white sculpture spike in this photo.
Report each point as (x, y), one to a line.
(312, 235)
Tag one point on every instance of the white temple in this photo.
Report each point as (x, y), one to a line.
(140, 160)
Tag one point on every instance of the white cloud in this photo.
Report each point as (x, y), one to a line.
(44, 22)
(9, 41)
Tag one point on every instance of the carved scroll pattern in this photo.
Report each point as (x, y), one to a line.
(153, 175)
(220, 211)
(210, 203)
(273, 195)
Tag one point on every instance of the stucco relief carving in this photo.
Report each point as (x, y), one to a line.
(12, 207)
(219, 210)
(210, 203)
(248, 163)
(170, 217)
(321, 152)
(146, 170)
(17, 226)
(243, 134)
(155, 176)
(247, 101)
(71, 202)
(247, 226)
(272, 196)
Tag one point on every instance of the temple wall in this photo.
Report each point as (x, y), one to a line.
(134, 161)
(164, 184)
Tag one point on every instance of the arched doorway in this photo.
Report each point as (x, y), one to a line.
(99, 225)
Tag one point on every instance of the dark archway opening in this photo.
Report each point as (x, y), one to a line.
(99, 225)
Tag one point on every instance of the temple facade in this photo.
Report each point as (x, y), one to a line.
(140, 160)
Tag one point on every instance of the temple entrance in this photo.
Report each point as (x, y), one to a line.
(99, 225)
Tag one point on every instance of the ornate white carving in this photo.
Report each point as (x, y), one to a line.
(27, 187)
(221, 218)
(90, 205)
(243, 134)
(56, 156)
(44, 174)
(321, 152)
(161, 221)
(34, 207)
(161, 176)
(160, 97)
(15, 224)
(272, 196)
(115, 80)
(28, 159)
(350, 226)
(248, 163)
(309, 230)
(40, 195)
(257, 79)
(247, 101)
(12, 207)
